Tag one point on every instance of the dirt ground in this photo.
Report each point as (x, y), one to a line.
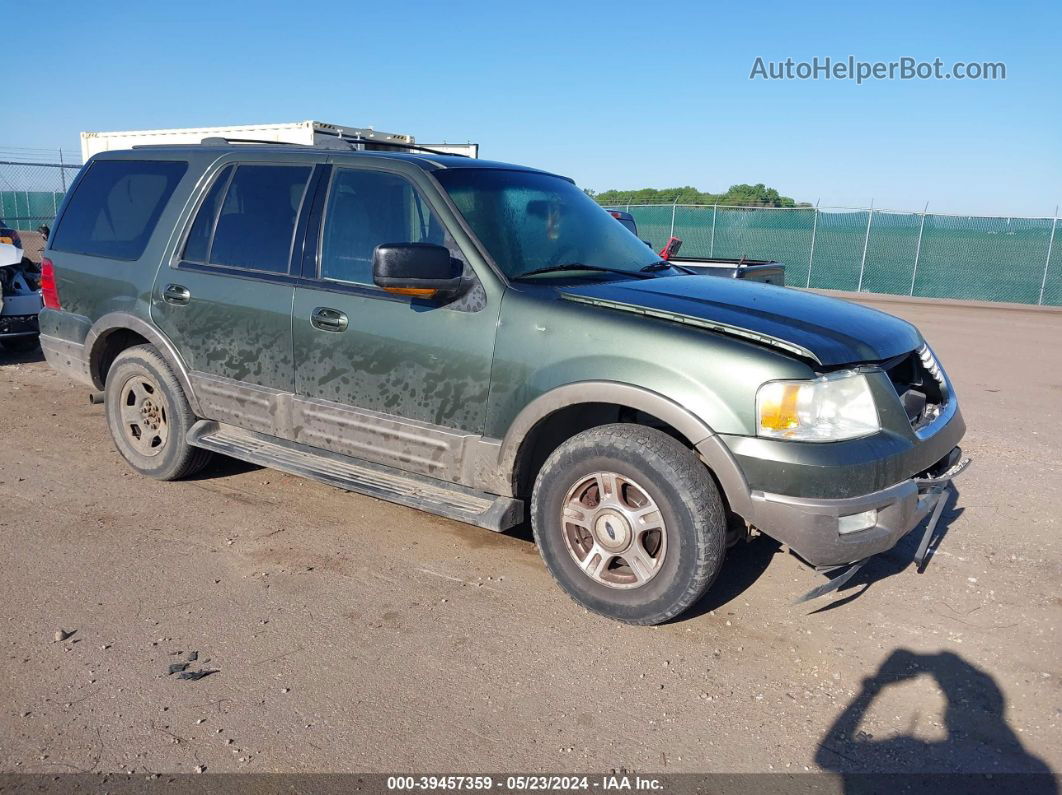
(349, 634)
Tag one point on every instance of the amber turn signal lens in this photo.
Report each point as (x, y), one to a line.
(416, 292)
(778, 411)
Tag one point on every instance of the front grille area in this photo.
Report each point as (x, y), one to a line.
(919, 382)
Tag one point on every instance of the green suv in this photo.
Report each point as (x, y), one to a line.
(483, 342)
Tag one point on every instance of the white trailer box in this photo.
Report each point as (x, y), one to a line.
(299, 132)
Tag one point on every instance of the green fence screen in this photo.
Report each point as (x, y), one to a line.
(28, 209)
(879, 251)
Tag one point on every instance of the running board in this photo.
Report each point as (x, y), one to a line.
(353, 474)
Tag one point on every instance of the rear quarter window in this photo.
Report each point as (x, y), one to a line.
(116, 206)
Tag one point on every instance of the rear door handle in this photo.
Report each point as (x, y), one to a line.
(176, 294)
(328, 319)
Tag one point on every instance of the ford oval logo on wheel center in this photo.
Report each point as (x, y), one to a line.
(612, 531)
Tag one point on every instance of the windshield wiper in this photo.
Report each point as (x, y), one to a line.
(578, 266)
(663, 265)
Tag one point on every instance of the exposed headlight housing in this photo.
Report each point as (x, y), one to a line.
(827, 409)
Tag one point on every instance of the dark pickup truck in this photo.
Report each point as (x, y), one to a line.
(753, 270)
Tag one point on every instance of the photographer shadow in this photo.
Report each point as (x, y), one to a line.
(979, 745)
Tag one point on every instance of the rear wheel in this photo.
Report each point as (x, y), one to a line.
(149, 416)
(629, 523)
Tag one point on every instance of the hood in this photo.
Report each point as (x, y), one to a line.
(828, 331)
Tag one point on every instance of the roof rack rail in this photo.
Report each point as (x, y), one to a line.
(353, 142)
(358, 140)
(217, 139)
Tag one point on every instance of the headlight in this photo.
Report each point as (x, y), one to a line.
(827, 409)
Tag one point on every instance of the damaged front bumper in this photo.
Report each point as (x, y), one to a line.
(833, 532)
(932, 497)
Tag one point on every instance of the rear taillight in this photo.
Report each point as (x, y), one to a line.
(48, 291)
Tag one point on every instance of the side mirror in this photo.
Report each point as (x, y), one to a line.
(421, 270)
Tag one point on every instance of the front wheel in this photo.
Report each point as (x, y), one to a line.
(629, 523)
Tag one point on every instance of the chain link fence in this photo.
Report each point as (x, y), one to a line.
(31, 192)
(983, 258)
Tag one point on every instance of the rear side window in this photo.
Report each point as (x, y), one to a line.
(198, 243)
(116, 207)
(253, 225)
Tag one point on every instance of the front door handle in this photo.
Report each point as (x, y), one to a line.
(176, 294)
(328, 319)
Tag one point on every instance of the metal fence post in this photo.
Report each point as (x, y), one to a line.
(1047, 262)
(918, 248)
(814, 230)
(62, 169)
(673, 206)
(866, 244)
(711, 246)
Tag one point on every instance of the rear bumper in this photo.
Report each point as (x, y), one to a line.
(67, 358)
(18, 326)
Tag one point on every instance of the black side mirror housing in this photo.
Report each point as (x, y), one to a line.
(420, 270)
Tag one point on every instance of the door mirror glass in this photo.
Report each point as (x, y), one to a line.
(421, 270)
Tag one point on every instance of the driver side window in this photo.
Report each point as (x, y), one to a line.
(365, 209)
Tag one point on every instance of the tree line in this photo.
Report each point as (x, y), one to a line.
(758, 195)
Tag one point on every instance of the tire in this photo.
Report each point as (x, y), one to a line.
(676, 545)
(20, 344)
(149, 416)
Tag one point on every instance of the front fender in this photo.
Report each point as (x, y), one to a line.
(694, 429)
(699, 435)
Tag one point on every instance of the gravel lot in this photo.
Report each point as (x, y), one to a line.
(353, 635)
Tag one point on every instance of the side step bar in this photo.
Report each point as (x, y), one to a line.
(386, 483)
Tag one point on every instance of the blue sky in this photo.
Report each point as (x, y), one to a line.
(616, 95)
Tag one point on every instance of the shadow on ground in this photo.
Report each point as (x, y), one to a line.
(221, 466)
(978, 739)
(744, 564)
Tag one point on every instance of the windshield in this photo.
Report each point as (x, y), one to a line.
(530, 221)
